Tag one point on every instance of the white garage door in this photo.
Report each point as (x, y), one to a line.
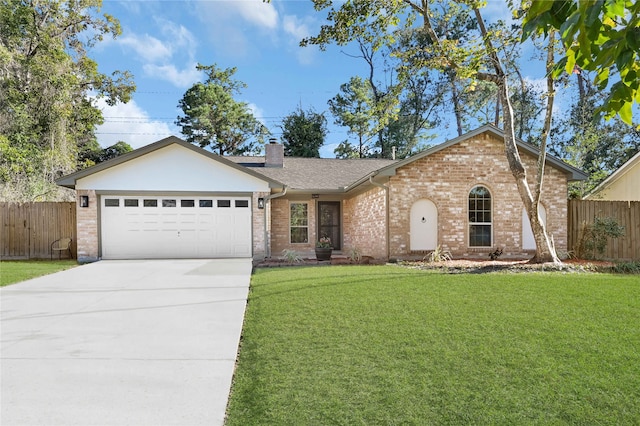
(152, 227)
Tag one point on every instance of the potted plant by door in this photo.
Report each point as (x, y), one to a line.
(324, 249)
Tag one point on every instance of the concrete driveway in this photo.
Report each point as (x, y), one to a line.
(147, 342)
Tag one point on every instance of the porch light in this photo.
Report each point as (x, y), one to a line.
(261, 203)
(84, 201)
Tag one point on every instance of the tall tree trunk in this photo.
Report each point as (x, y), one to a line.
(545, 252)
(542, 157)
(497, 118)
(455, 98)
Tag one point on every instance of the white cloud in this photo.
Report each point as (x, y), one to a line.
(131, 124)
(180, 78)
(159, 55)
(257, 12)
(297, 29)
(294, 26)
(180, 38)
(147, 47)
(233, 24)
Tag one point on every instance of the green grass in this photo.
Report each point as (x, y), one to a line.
(386, 345)
(13, 271)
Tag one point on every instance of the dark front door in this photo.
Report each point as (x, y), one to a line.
(329, 222)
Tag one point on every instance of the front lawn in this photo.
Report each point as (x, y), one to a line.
(13, 271)
(387, 345)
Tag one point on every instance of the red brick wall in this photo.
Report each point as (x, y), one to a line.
(87, 227)
(280, 237)
(365, 224)
(447, 176)
(258, 221)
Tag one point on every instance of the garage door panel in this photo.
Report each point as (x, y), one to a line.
(175, 227)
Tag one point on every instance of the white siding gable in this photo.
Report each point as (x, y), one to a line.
(173, 168)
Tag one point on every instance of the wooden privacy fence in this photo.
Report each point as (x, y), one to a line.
(28, 229)
(626, 213)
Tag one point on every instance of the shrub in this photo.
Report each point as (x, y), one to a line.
(355, 255)
(632, 267)
(291, 256)
(438, 255)
(594, 236)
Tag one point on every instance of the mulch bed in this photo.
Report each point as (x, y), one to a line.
(472, 266)
(475, 266)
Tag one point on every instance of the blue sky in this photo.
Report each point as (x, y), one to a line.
(162, 41)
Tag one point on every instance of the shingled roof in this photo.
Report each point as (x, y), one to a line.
(315, 174)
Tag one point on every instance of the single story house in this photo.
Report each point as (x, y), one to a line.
(172, 199)
(621, 185)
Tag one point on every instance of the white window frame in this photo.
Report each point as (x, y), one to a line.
(291, 226)
(471, 224)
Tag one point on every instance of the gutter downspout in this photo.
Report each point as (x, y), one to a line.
(267, 200)
(386, 190)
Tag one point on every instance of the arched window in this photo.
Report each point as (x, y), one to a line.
(480, 217)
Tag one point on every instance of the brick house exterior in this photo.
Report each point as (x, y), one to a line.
(459, 196)
(376, 209)
(447, 176)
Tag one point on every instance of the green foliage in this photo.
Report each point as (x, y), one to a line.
(291, 256)
(92, 153)
(303, 133)
(632, 267)
(346, 150)
(594, 236)
(596, 146)
(353, 108)
(213, 118)
(45, 87)
(600, 36)
(438, 255)
(324, 242)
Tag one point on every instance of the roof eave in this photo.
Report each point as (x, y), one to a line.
(316, 191)
(573, 172)
(70, 180)
(613, 177)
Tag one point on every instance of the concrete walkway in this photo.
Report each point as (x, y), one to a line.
(147, 342)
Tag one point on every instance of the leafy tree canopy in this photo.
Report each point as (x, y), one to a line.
(354, 108)
(213, 118)
(92, 153)
(303, 133)
(46, 79)
(600, 36)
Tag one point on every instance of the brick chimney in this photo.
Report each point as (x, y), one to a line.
(274, 154)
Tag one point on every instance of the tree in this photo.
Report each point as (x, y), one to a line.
(597, 146)
(212, 117)
(47, 86)
(599, 36)
(476, 59)
(352, 108)
(417, 113)
(92, 153)
(303, 133)
(346, 150)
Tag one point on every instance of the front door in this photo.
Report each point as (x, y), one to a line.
(329, 222)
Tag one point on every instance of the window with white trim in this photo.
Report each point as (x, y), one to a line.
(480, 217)
(299, 223)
